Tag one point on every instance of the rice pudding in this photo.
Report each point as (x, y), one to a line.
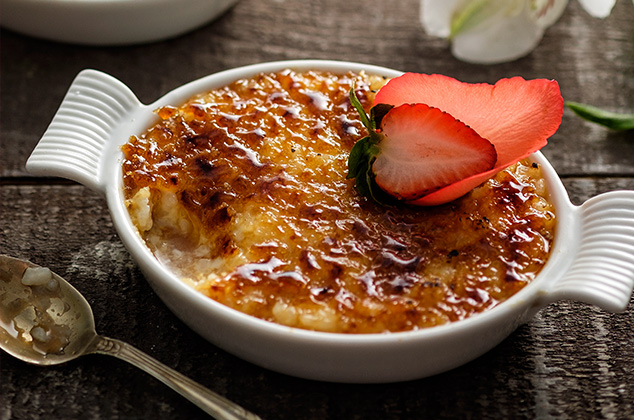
(242, 193)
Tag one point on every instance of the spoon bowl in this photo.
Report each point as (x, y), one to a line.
(46, 321)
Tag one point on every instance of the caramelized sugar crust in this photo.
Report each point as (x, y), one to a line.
(241, 191)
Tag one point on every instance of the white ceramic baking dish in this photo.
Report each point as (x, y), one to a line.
(592, 259)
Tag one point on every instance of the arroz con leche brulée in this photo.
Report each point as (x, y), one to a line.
(242, 193)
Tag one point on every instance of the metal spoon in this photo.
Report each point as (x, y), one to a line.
(46, 321)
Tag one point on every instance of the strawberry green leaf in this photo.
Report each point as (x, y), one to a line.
(362, 157)
(611, 120)
(365, 120)
(364, 153)
(361, 153)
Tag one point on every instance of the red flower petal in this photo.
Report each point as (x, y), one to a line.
(516, 115)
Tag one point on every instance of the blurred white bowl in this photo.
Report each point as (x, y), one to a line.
(109, 22)
(592, 259)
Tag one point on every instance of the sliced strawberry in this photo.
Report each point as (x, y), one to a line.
(516, 115)
(423, 149)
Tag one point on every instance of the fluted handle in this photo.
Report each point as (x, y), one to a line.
(95, 107)
(212, 403)
(602, 271)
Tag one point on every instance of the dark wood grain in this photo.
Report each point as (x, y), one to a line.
(551, 365)
(571, 361)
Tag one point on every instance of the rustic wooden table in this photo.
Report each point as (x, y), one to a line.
(571, 361)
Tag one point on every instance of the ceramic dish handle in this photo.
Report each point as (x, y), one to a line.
(72, 147)
(602, 272)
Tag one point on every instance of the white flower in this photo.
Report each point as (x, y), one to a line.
(495, 31)
(598, 8)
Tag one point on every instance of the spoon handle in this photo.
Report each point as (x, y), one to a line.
(212, 403)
